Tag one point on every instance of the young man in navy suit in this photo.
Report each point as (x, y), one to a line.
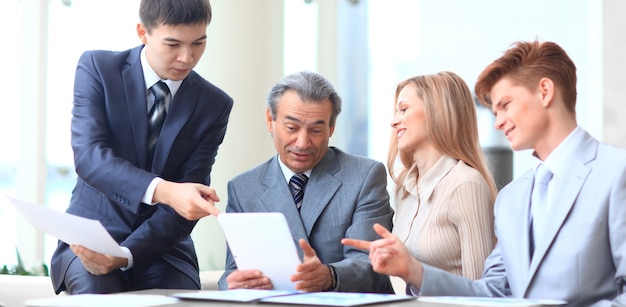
(566, 243)
(147, 186)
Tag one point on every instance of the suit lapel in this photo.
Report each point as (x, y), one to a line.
(519, 221)
(278, 198)
(180, 110)
(320, 190)
(524, 197)
(564, 197)
(136, 99)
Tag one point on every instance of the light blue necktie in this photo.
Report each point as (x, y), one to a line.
(539, 205)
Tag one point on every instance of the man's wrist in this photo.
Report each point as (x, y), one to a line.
(333, 276)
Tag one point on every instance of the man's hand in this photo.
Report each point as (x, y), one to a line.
(390, 256)
(96, 263)
(248, 279)
(190, 200)
(311, 275)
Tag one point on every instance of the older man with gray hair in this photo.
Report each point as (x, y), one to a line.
(324, 193)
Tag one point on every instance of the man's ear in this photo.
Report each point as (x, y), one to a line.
(546, 91)
(142, 32)
(269, 121)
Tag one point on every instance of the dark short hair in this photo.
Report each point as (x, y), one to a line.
(311, 87)
(153, 13)
(526, 63)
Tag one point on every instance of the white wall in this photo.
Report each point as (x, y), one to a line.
(244, 57)
(614, 74)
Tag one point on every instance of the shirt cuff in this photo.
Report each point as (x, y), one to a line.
(147, 197)
(130, 259)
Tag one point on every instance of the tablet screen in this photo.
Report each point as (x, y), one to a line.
(262, 241)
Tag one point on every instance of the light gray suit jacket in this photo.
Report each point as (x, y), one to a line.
(584, 259)
(344, 197)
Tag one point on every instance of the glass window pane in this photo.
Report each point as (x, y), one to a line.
(74, 28)
(409, 37)
(10, 18)
(300, 36)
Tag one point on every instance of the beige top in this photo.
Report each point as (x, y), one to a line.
(447, 220)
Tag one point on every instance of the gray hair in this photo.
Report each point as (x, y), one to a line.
(311, 87)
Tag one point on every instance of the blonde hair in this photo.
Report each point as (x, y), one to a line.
(451, 125)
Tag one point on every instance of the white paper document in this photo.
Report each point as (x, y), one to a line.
(262, 241)
(235, 295)
(103, 300)
(489, 301)
(69, 228)
(343, 299)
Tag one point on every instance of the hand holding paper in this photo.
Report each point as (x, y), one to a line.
(249, 279)
(97, 263)
(69, 228)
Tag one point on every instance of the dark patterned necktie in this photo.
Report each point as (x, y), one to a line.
(297, 184)
(156, 117)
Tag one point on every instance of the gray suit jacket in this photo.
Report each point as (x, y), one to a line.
(584, 259)
(344, 197)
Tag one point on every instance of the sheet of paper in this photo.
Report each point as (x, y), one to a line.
(489, 301)
(103, 300)
(262, 241)
(235, 295)
(343, 299)
(69, 228)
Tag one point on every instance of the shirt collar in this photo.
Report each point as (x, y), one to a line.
(432, 177)
(151, 77)
(558, 161)
(288, 173)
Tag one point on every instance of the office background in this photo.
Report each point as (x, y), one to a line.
(364, 46)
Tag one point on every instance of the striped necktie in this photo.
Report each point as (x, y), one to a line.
(297, 184)
(156, 117)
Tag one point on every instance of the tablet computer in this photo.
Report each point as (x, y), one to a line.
(262, 241)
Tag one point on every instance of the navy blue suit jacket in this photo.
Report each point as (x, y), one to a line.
(109, 139)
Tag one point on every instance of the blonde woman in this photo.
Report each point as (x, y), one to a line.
(444, 191)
